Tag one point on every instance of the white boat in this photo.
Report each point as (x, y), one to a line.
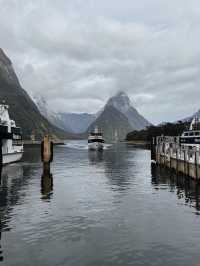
(10, 138)
(95, 140)
(191, 138)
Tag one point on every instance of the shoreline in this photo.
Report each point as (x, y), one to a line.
(139, 143)
(38, 142)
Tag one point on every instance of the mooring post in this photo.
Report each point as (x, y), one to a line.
(153, 149)
(1, 153)
(170, 157)
(196, 171)
(188, 162)
(198, 165)
(185, 163)
(46, 153)
(176, 160)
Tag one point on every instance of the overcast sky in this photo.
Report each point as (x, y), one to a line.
(77, 53)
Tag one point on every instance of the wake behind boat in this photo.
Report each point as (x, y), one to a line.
(10, 137)
(95, 140)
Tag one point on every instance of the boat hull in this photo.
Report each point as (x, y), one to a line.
(12, 157)
(96, 146)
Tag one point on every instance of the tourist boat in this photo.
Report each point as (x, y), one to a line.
(10, 138)
(191, 138)
(95, 140)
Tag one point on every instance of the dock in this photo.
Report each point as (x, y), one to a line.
(167, 152)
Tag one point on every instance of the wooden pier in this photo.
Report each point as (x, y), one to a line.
(168, 152)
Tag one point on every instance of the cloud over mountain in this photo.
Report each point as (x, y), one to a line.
(79, 53)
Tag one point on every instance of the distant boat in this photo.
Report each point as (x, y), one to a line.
(191, 138)
(95, 140)
(10, 137)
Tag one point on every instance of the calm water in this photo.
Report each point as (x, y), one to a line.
(99, 209)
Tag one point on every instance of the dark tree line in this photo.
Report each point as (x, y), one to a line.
(167, 129)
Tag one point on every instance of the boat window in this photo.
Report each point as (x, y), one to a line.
(16, 130)
(186, 134)
(197, 133)
(191, 134)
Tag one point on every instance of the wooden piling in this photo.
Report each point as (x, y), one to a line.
(46, 154)
(47, 158)
(153, 149)
(185, 171)
(1, 159)
(195, 162)
(176, 161)
(1, 154)
(47, 150)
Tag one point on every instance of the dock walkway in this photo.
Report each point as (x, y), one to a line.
(168, 152)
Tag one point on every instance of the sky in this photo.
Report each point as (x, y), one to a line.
(78, 53)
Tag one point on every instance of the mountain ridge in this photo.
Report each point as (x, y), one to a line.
(81, 122)
(22, 109)
(122, 103)
(112, 123)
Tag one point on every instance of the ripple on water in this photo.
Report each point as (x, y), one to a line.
(107, 208)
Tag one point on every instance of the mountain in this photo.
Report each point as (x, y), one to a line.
(123, 114)
(189, 119)
(71, 122)
(22, 109)
(123, 104)
(113, 123)
(78, 123)
(118, 118)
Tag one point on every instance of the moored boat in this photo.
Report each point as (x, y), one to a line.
(191, 137)
(10, 137)
(95, 140)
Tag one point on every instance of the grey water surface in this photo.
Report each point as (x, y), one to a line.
(109, 208)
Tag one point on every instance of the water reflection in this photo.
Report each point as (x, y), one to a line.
(116, 166)
(46, 184)
(0, 173)
(14, 178)
(1, 250)
(185, 187)
(9, 194)
(95, 157)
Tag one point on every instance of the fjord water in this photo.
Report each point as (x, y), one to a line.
(107, 208)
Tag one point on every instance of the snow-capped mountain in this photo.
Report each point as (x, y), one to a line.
(76, 123)
(117, 117)
(71, 122)
(188, 119)
(44, 107)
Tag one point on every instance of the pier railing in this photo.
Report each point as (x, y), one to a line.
(168, 152)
